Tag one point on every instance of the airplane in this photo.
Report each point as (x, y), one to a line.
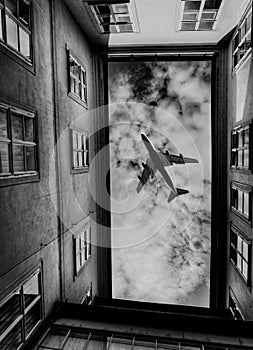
(158, 160)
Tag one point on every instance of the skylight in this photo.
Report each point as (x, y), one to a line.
(199, 14)
(114, 18)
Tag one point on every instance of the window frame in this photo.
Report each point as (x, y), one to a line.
(78, 97)
(236, 147)
(238, 40)
(86, 150)
(82, 240)
(24, 310)
(12, 176)
(131, 13)
(28, 30)
(234, 249)
(199, 16)
(235, 209)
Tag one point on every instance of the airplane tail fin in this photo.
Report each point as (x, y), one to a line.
(181, 191)
(172, 196)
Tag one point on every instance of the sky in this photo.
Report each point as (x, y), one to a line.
(161, 250)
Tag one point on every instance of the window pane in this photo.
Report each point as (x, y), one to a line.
(12, 32)
(24, 15)
(32, 318)
(124, 28)
(4, 158)
(239, 262)
(246, 158)
(245, 250)
(239, 244)
(18, 158)
(75, 159)
(11, 6)
(3, 123)
(24, 43)
(240, 152)
(233, 255)
(190, 16)
(246, 204)
(17, 126)
(248, 22)
(13, 340)
(31, 290)
(240, 199)
(208, 15)
(188, 26)
(9, 312)
(240, 135)
(246, 137)
(206, 25)
(30, 158)
(245, 269)
(125, 19)
(29, 136)
(212, 4)
(192, 5)
(120, 8)
(234, 158)
(85, 159)
(80, 159)
(79, 141)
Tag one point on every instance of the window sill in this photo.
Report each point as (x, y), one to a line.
(17, 180)
(241, 216)
(80, 170)
(78, 100)
(17, 57)
(82, 268)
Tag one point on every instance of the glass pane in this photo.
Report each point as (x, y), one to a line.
(77, 87)
(13, 340)
(85, 158)
(190, 16)
(74, 68)
(75, 160)
(30, 158)
(79, 141)
(240, 204)
(245, 269)
(12, 33)
(239, 244)
(233, 238)
(72, 84)
(124, 28)
(245, 250)
(80, 159)
(240, 135)
(11, 6)
(24, 43)
(18, 158)
(234, 158)
(233, 255)
(188, 26)
(32, 318)
(246, 158)
(246, 137)
(29, 136)
(9, 312)
(206, 25)
(239, 262)
(125, 19)
(83, 93)
(246, 204)
(24, 13)
(120, 8)
(31, 290)
(212, 4)
(17, 126)
(1, 25)
(3, 123)
(208, 15)
(4, 158)
(248, 22)
(192, 5)
(240, 152)
(74, 139)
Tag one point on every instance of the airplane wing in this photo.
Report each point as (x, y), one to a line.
(170, 159)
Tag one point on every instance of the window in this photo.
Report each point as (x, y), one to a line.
(234, 306)
(77, 80)
(87, 299)
(199, 14)
(240, 200)
(82, 248)
(242, 38)
(240, 147)
(18, 148)
(114, 18)
(15, 25)
(80, 151)
(21, 313)
(240, 250)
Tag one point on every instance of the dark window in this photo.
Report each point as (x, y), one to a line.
(21, 313)
(18, 147)
(242, 37)
(15, 26)
(240, 201)
(80, 150)
(77, 79)
(113, 18)
(82, 248)
(240, 157)
(240, 250)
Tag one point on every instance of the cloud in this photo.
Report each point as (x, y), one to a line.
(161, 251)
